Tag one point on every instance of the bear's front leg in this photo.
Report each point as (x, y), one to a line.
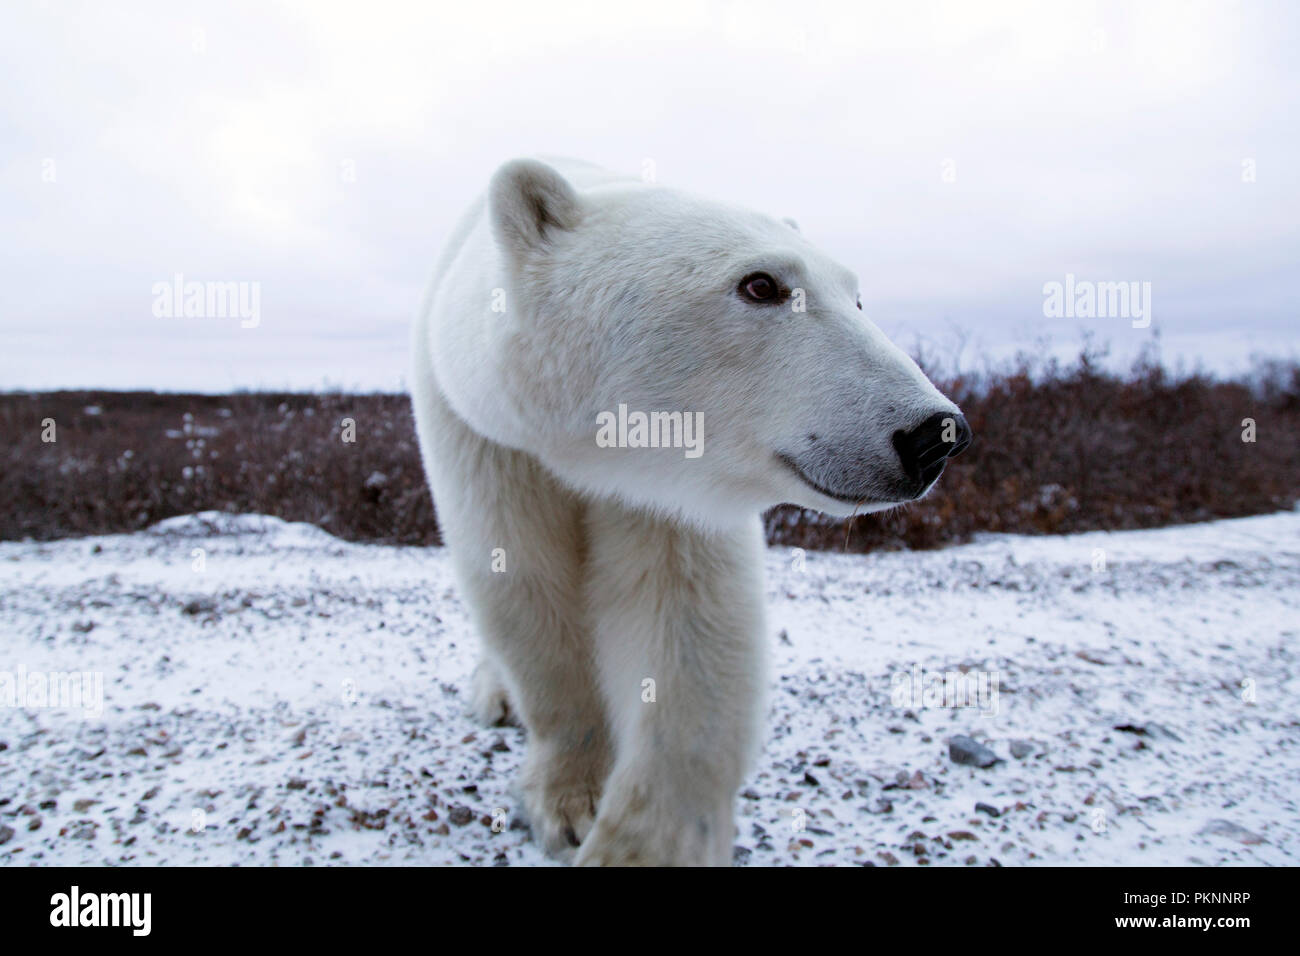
(679, 637)
(517, 539)
(537, 658)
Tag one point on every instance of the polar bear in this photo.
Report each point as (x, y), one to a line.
(577, 327)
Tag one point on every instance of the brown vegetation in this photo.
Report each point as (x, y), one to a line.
(1056, 450)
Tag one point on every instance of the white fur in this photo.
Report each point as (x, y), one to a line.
(628, 565)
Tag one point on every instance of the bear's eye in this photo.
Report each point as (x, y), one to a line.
(859, 303)
(759, 287)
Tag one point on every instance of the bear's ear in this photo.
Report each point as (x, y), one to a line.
(791, 223)
(528, 202)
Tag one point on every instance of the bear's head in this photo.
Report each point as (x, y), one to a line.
(699, 359)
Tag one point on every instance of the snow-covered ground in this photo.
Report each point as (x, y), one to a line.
(285, 697)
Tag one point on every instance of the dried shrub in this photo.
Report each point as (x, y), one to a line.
(1057, 449)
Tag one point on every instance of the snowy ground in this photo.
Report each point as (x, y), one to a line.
(299, 700)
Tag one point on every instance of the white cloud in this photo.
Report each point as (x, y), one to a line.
(325, 149)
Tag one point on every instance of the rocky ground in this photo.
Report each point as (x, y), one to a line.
(272, 695)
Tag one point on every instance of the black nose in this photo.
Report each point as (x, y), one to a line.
(924, 450)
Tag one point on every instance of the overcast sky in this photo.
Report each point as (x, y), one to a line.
(956, 156)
